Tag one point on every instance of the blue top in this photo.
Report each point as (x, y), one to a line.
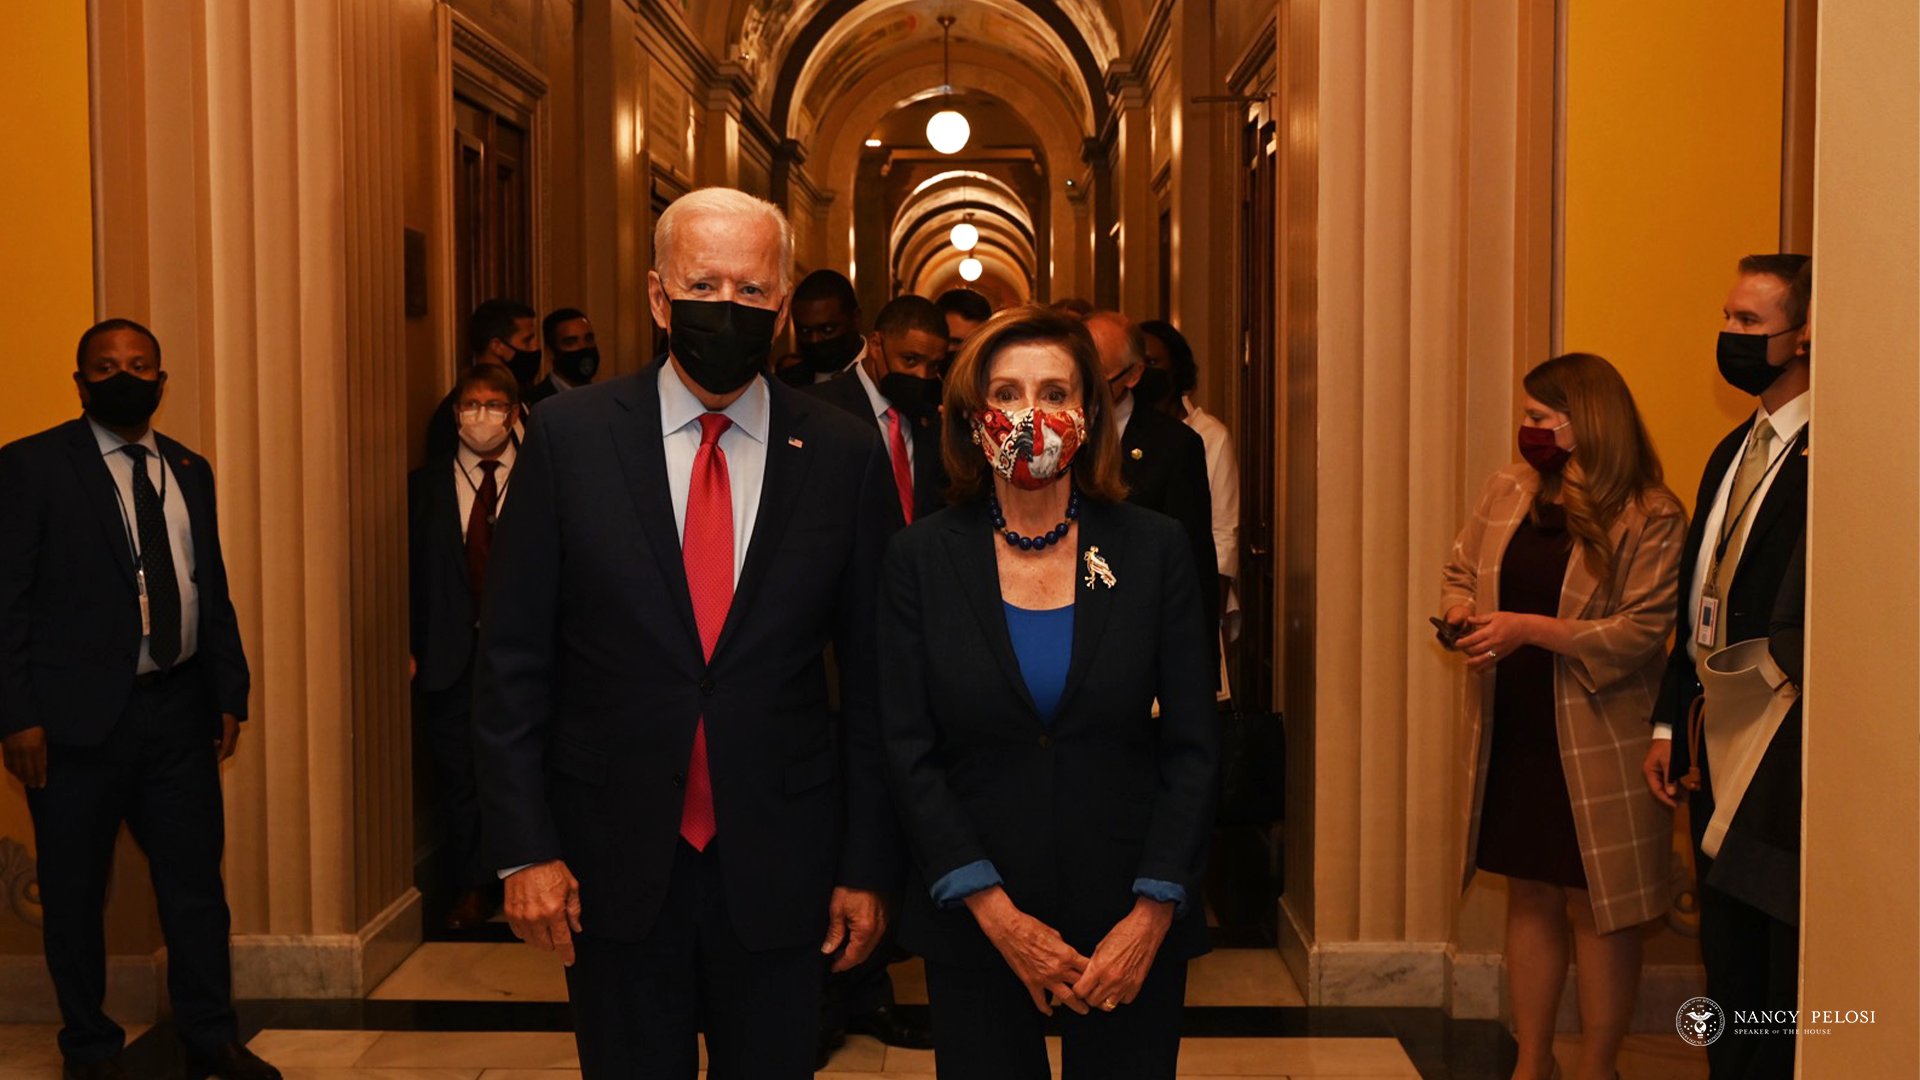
(1043, 642)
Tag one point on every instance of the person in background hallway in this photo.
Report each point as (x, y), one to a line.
(897, 385)
(1561, 587)
(1059, 826)
(965, 312)
(503, 332)
(826, 324)
(576, 353)
(452, 503)
(122, 688)
(1752, 513)
(1163, 462)
(675, 809)
(1167, 350)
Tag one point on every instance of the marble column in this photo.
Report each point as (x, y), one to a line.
(252, 211)
(1860, 873)
(1134, 203)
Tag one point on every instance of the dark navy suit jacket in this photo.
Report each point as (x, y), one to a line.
(69, 604)
(441, 616)
(591, 678)
(929, 472)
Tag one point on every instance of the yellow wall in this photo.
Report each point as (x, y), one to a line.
(46, 273)
(1673, 119)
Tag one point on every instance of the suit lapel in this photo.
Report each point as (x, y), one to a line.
(1580, 587)
(1503, 520)
(970, 544)
(444, 520)
(1789, 489)
(97, 487)
(786, 472)
(638, 446)
(1093, 600)
(1717, 465)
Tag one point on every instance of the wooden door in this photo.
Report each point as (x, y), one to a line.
(492, 209)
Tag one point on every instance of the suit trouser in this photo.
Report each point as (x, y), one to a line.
(1753, 965)
(860, 989)
(157, 771)
(638, 1005)
(985, 1025)
(447, 716)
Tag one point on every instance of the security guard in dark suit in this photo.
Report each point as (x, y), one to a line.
(122, 688)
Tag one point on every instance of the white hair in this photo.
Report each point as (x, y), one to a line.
(722, 200)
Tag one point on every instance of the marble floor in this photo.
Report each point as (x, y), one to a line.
(496, 1011)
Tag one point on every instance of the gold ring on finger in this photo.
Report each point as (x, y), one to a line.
(1108, 1005)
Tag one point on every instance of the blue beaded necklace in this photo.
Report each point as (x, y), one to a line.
(1044, 540)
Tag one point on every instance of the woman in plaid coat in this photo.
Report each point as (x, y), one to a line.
(1559, 597)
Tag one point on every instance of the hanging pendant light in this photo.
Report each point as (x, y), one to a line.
(947, 130)
(965, 235)
(971, 269)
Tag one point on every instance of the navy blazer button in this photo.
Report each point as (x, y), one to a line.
(1046, 742)
(706, 686)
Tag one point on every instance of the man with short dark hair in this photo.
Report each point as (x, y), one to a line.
(896, 384)
(1750, 518)
(826, 323)
(503, 332)
(965, 312)
(576, 353)
(452, 503)
(122, 688)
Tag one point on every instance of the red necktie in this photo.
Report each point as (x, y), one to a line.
(707, 548)
(902, 469)
(480, 533)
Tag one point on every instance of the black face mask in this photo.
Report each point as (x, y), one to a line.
(1743, 361)
(123, 400)
(578, 365)
(720, 344)
(1154, 387)
(917, 397)
(524, 365)
(833, 354)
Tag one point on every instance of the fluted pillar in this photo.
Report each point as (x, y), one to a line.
(1132, 178)
(1398, 306)
(265, 251)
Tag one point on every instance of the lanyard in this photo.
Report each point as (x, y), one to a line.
(500, 488)
(1730, 522)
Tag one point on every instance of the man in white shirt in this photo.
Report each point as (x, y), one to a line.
(675, 809)
(453, 502)
(1749, 518)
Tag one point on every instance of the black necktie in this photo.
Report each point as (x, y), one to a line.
(156, 561)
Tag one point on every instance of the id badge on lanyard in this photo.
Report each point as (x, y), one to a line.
(1706, 623)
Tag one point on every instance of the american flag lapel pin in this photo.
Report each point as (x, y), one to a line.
(795, 442)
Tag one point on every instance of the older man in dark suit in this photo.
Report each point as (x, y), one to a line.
(122, 688)
(677, 811)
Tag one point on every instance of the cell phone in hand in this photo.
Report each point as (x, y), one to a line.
(1448, 633)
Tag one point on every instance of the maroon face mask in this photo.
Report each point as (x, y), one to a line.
(1537, 445)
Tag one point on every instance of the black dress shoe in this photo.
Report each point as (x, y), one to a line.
(893, 1029)
(829, 1045)
(95, 1070)
(235, 1062)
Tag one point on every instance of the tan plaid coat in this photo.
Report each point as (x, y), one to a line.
(1604, 692)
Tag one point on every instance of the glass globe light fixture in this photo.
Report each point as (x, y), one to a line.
(965, 235)
(947, 130)
(971, 269)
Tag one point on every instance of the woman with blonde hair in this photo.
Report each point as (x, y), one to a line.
(1559, 596)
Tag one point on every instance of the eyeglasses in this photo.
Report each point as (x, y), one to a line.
(495, 412)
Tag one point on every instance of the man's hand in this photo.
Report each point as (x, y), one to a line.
(229, 739)
(1038, 955)
(858, 918)
(26, 756)
(1654, 768)
(543, 907)
(1121, 960)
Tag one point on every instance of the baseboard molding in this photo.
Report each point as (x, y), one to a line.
(1467, 985)
(136, 989)
(327, 965)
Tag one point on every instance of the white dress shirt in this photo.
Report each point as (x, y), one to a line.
(1787, 423)
(1122, 412)
(880, 406)
(468, 476)
(744, 444)
(1223, 479)
(179, 531)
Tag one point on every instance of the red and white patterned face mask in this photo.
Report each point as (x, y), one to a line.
(1030, 448)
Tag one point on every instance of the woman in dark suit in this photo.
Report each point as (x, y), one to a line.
(1058, 823)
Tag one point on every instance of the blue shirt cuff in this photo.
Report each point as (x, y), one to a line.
(1166, 892)
(959, 884)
